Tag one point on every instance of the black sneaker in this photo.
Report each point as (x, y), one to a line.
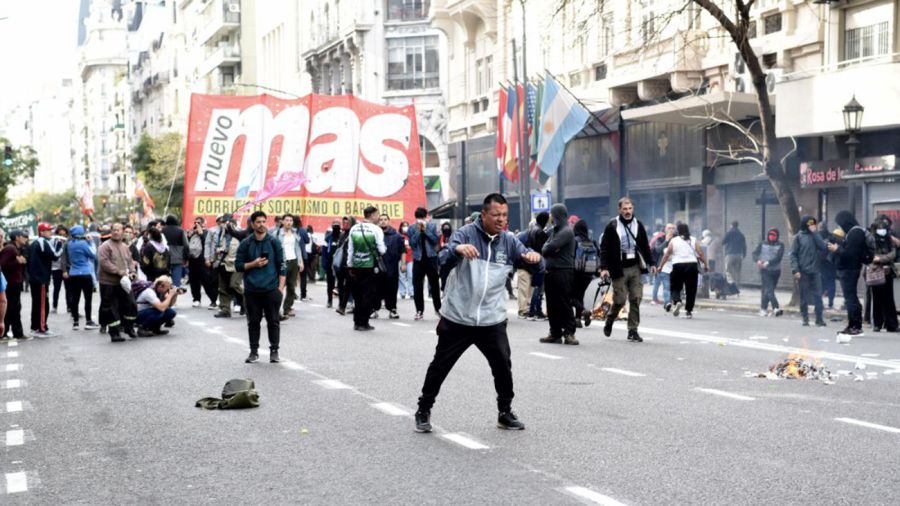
(805, 323)
(89, 325)
(116, 338)
(688, 315)
(75, 326)
(854, 332)
(578, 324)
(252, 358)
(160, 332)
(103, 329)
(634, 336)
(587, 317)
(131, 333)
(169, 324)
(778, 312)
(821, 323)
(363, 327)
(668, 306)
(222, 314)
(341, 311)
(393, 315)
(273, 357)
(509, 421)
(423, 421)
(607, 327)
(242, 312)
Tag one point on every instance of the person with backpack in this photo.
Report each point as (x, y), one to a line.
(155, 303)
(662, 278)
(260, 257)
(807, 249)
(587, 267)
(767, 256)
(13, 265)
(686, 255)
(200, 276)
(849, 256)
(735, 247)
(364, 258)
(559, 258)
(332, 243)
(340, 265)
(177, 241)
(526, 273)
(78, 261)
(155, 255)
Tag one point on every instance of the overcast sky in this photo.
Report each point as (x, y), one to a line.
(38, 41)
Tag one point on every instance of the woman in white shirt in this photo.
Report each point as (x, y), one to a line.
(686, 255)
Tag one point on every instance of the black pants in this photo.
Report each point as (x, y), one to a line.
(58, 283)
(303, 280)
(849, 279)
(811, 293)
(13, 319)
(343, 286)
(685, 276)
(117, 309)
(421, 270)
(330, 282)
(40, 304)
(79, 285)
(582, 280)
(259, 305)
(769, 282)
(453, 341)
(387, 290)
(202, 278)
(884, 311)
(559, 286)
(365, 294)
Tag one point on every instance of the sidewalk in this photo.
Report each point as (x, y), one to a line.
(748, 300)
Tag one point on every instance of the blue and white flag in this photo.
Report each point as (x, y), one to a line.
(562, 117)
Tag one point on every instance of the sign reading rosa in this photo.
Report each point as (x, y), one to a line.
(353, 153)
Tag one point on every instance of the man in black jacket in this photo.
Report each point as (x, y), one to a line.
(559, 259)
(850, 256)
(807, 250)
(624, 256)
(40, 260)
(735, 246)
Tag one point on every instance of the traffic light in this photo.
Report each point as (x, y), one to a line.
(7, 156)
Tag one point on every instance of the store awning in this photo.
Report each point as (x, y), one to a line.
(697, 109)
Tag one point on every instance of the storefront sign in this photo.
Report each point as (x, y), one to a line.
(26, 221)
(830, 172)
(353, 154)
(540, 202)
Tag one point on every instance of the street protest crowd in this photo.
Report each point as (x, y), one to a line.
(468, 274)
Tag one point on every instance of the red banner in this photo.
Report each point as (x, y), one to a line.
(353, 153)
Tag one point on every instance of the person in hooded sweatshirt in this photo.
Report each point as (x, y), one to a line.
(884, 254)
(559, 282)
(155, 255)
(78, 261)
(177, 240)
(849, 257)
(767, 256)
(585, 270)
(807, 251)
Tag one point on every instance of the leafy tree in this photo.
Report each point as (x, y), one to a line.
(24, 165)
(159, 164)
(59, 208)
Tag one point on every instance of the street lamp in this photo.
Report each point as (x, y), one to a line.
(853, 113)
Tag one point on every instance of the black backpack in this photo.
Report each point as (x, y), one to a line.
(587, 256)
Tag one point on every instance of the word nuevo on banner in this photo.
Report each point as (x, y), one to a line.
(303, 206)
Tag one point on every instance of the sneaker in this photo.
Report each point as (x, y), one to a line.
(116, 338)
(341, 311)
(242, 312)
(668, 306)
(75, 326)
(570, 339)
(532, 317)
(509, 421)
(578, 324)
(90, 325)
(541, 316)
(523, 316)
(169, 324)
(821, 323)
(423, 421)
(131, 333)
(328, 305)
(854, 332)
(689, 315)
(222, 314)
(607, 327)
(23, 338)
(103, 329)
(54, 311)
(144, 333)
(196, 303)
(363, 328)
(634, 336)
(587, 317)
(350, 308)
(160, 332)
(283, 318)
(290, 313)
(654, 302)
(393, 315)
(805, 323)
(551, 340)
(418, 316)
(273, 357)
(252, 358)
(778, 312)
(374, 315)
(763, 313)
(213, 306)
(677, 310)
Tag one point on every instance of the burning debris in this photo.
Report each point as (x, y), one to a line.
(798, 367)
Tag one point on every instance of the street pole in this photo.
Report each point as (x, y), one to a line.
(525, 207)
(852, 143)
(519, 159)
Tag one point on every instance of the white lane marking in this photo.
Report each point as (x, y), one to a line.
(742, 316)
(891, 371)
(623, 372)
(594, 497)
(758, 338)
(316, 305)
(545, 355)
(13, 406)
(401, 324)
(13, 367)
(180, 316)
(432, 332)
(15, 437)
(464, 441)
(12, 344)
(294, 366)
(870, 355)
(16, 482)
(234, 340)
(196, 324)
(870, 425)
(13, 383)
(12, 354)
(726, 394)
(390, 409)
(756, 345)
(331, 384)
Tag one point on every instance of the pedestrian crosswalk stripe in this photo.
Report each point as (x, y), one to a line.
(13, 406)
(390, 409)
(623, 372)
(870, 425)
(723, 393)
(464, 441)
(545, 355)
(13, 367)
(16, 482)
(400, 324)
(13, 383)
(12, 354)
(331, 384)
(289, 364)
(12, 344)
(15, 437)
(594, 497)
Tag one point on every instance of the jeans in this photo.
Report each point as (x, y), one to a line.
(154, 319)
(453, 340)
(769, 282)
(849, 279)
(177, 274)
(81, 285)
(421, 270)
(811, 293)
(259, 305)
(829, 284)
(685, 276)
(537, 295)
(559, 285)
(664, 280)
(406, 281)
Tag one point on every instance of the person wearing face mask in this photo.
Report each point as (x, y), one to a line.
(767, 256)
(406, 270)
(807, 250)
(332, 243)
(389, 280)
(850, 255)
(883, 253)
(559, 281)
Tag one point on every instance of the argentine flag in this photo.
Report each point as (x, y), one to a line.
(562, 117)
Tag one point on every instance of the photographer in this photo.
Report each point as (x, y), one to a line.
(154, 306)
(221, 249)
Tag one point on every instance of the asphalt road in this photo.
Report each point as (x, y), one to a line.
(673, 420)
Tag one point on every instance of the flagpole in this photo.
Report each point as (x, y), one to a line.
(586, 108)
(526, 173)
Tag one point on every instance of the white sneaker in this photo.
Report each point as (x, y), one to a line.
(677, 310)
(196, 303)
(763, 313)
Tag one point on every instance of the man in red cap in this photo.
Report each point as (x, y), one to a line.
(40, 262)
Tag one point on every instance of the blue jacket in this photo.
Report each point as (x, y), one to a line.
(264, 279)
(80, 257)
(431, 238)
(396, 246)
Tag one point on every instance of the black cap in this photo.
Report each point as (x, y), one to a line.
(17, 233)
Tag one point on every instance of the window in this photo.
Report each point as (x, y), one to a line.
(751, 30)
(484, 75)
(866, 41)
(600, 72)
(772, 24)
(407, 10)
(606, 34)
(648, 21)
(770, 60)
(430, 158)
(412, 63)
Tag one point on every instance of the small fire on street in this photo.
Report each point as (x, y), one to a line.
(798, 366)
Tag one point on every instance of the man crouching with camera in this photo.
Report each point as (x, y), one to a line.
(154, 306)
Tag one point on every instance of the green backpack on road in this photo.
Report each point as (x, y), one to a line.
(237, 394)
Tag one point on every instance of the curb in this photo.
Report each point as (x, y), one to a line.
(754, 308)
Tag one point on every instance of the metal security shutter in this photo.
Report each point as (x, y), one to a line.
(740, 205)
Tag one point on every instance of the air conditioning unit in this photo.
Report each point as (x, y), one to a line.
(773, 77)
(234, 7)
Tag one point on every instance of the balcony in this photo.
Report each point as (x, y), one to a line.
(224, 18)
(223, 56)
